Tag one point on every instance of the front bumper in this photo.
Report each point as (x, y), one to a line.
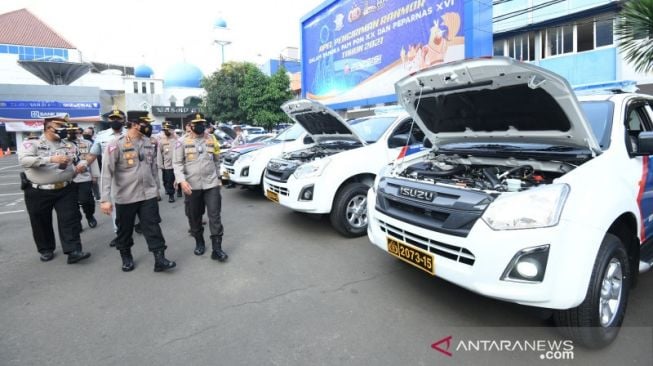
(480, 259)
(289, 194)
(253, 178)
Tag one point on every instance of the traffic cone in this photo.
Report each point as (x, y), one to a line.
(1, 153)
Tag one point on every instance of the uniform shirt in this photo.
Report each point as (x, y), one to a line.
(196, 161)
(129, 170)
(34, 156)
(84, 147)
(103, 139)
(239, 140)
(165, 146)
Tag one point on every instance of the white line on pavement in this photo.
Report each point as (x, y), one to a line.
(8, 212)
(11, 166)
(8, 184)
(10, 194)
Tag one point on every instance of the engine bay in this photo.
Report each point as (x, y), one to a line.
(484, 174)
(318, 152)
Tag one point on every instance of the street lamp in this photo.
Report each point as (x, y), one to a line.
(221, 35)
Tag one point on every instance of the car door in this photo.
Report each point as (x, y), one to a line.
(639, 119)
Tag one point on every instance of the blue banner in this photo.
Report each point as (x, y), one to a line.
(353, 51)
(11, 110)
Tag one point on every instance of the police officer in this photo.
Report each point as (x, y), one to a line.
(129, 166)
(84, 180)
(50, 164)
(196, 164)
(164, 156)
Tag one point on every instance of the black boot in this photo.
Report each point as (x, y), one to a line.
(200, 246)
(76, 256)
(217, 253)
(127, 260)
(171, 198)
(161, 263)
(113, 242)
(92, 222)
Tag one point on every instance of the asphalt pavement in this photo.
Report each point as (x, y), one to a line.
(293, 292)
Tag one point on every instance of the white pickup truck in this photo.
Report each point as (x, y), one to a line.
(246, 166)
(530, 194)
(333, 175)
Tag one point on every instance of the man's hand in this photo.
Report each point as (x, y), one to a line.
(185, 186)
(59, 159)
(106, 207)
(80, 169)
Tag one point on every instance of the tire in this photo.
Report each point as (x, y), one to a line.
(587, 324)
(349, 212)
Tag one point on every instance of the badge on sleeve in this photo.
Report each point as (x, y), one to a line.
(178, 145)
(112, 148)
(27, 145)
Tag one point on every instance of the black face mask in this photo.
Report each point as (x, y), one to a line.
(115, 125)
(145, 130)
(72, 136)
(198, 128)
(61, 132)
(166, 132)
(88, 137)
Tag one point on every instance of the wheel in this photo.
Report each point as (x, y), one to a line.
(349, 213)
(595, 323)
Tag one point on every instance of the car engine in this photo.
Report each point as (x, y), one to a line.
(484, 175)
(317, 152)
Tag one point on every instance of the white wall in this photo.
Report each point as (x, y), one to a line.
(12, 73)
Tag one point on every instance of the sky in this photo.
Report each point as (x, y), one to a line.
(162, 33)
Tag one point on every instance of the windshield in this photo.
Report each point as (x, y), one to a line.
(599, 116)
(370, 129)
(291, 133)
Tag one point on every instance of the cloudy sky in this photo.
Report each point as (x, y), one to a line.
(162, 33)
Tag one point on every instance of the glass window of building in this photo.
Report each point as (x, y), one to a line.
(144, 85)
(559, 40)
(498, 47)
(604, 32)
(135, 87)
(151, 88)
(585, 35)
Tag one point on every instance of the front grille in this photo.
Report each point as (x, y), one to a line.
(455, 253)
(280, 170)
(443, 209)
(276, 189)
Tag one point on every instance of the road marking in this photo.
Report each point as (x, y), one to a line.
(9, 212)
(11, 166)
(8, 184)
(10, 194)
(14, 203)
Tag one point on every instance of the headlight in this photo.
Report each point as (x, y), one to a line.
(247, 158)
(312, 169)
(535, 208)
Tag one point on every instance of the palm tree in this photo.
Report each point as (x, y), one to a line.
(634, 34)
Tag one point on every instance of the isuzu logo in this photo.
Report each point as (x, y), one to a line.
(419, 194)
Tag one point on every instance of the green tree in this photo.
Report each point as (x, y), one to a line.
(223, 90)
(634, 34)
(262, 96)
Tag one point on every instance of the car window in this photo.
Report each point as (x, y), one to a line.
(290, 134)
(599, 115)
(636, 122)
(371, 129)
(409, 127)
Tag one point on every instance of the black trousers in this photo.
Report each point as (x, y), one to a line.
(148, 214)
(210, 200)
(39, 203)
(96, 190)
(168, 176)
(85, 198)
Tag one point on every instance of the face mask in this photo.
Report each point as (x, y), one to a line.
(88, 137)
(116, 125)
(145, 130)
(72, 136)
(166, 132)
(61, 132)
(198, 128)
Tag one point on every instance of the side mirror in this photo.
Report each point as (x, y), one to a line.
(644, 143)
(308, 140)
(427, 143)
(398, 141)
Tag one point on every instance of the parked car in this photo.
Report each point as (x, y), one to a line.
(531, 194)
(261, 137)
(333, 175)
(246, 167)
(249, 131)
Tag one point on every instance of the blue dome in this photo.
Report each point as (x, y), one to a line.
(143, 71)
(183, 75)
(220, 23)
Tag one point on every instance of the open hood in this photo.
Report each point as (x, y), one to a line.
(494, 100)
(320, 122)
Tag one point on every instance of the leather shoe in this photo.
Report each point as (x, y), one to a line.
(92, 222)
(76, 256)
(219, 255)
(47, 256)
(171, 198)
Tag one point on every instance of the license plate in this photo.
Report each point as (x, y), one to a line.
(414, 256)
(225, 174)
(273, 196)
